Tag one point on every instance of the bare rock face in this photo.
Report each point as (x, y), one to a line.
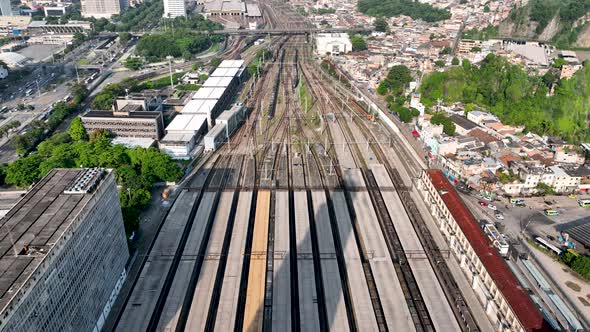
(584, 37)
(551, 29)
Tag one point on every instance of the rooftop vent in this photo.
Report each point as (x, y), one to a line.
(85, 182)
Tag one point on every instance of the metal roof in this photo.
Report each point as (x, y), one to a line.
(525, 310)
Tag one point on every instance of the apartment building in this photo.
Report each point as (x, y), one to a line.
(506, 303)
(64, 260)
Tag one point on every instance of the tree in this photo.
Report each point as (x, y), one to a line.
(446, 50)
(455, 61)
(133, 63)
(124, 38)
(558, 63)
(440, 119)
(439, 63)
(24, 171)
(486, 9)
(396, 81)
(215, 62)
(380, 24)
(476, 49)
(358, 43)
(77, 131)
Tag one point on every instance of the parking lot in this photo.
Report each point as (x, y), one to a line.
(530, 220)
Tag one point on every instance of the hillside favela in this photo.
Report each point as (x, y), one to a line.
(294, 165)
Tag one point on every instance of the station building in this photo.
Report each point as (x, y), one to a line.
(506, 303)
(64, 252)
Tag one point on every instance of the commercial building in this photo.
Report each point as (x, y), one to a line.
(174, 8)
(333, 43)
(69, 28)
(13, 25)
(13, 60)
(131, 123)
(506, 303)
(56, 9)
(64, 252)
(6, 8)
(149, 101)
(102, 8)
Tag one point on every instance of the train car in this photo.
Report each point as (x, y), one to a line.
(275, 91)
(232, 118)
(215, 137)
(357, 107)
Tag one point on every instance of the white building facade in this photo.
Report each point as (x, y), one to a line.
(333, 43)
(102, 8)
(174, 8)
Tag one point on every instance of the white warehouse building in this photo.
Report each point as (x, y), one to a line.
(333, 43)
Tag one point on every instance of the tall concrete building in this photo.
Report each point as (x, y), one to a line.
(102, 8)
(63, 253)
(174, 8)
(6, 8)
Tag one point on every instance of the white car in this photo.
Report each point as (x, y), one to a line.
(499, 216)
(492, 207)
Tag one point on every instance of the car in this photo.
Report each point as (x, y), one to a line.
(499, 216)
(482, 203)
(487, 198)
(571, 196)
(492, 207)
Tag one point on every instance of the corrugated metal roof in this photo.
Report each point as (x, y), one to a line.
(526, 311)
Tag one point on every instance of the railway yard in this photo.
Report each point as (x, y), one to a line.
(302, 221)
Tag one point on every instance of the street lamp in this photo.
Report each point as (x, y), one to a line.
(169, 58)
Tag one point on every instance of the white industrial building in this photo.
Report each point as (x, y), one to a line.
(333, 43)
(174, 8)
(199, 114)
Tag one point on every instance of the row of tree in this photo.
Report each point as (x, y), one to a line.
(516, 97)
(40, 130)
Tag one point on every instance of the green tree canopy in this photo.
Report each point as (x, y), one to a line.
(358, 43)
(380, 24)
(77, 131)
(414, 9)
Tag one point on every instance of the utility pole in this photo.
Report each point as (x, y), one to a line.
(77, 76)
(169, 58)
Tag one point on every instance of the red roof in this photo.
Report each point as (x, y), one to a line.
(523, 307)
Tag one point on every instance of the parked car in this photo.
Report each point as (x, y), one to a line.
(492, 207)
(499, 216)
(482, 203)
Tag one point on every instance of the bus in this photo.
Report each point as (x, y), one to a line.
(4, 109)
(517, 201)
(544, 243)
(28, 92)
(584, 202)
(549, 212)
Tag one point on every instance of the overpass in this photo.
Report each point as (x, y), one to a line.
(293, 31)
(278, 31)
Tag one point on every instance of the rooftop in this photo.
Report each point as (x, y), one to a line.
(109, 114)
(463, 122)
(524, 308)
(36, 223)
